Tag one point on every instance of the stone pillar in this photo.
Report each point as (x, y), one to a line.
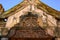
(3, 32)
(58, 30)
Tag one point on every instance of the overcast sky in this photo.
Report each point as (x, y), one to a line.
(7, 4)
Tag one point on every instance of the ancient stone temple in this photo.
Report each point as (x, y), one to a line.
(30, 20)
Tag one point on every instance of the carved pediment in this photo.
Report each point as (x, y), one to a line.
(28, 27)
(29, 20)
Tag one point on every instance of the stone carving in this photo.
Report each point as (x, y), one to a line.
(1, 9)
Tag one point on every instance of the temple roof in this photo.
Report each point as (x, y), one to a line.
(24, 4)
